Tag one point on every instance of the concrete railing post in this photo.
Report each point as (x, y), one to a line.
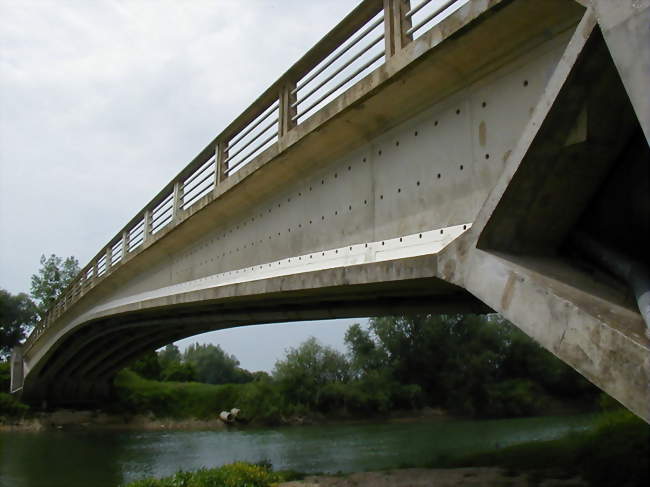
(125, 244)
(396, 25)
(109, 258)
(146, 231)
(221, 154)
(288, 112)
(177, 201)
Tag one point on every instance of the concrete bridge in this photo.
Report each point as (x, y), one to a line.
(457, 156)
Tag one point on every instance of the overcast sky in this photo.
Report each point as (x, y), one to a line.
(103, 102)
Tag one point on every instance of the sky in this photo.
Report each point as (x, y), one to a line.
(102, 102)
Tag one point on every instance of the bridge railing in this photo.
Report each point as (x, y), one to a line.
(362, 42)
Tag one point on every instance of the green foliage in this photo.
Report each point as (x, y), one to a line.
(147, 366)
(5, 376)
(12, 408)
(307, 369)
(214, 366)
(178, 372)
(259, 402)
(514, 397)
(471, 365)
(169, 356)
(17, 317)
(615, 453)
(52, 279)
(238, 474)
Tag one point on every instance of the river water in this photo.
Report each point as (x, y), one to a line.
(75, 459)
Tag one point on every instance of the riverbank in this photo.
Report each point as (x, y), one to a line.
(72, 420)
(69, 420)
(440, 477)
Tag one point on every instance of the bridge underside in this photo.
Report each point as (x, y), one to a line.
(464, 180)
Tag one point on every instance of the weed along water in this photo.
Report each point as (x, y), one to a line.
(101, 458)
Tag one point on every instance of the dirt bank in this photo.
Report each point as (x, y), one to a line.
(98, 420)
(422, 477)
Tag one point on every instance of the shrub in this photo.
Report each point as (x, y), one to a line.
(512, 398)
(5, 376)
(11, 407)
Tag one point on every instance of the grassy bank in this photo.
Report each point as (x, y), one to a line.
(259, 402)
(616, 452)
(262, 402)
(235, 475)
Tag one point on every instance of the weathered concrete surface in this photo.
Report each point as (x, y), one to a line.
(513, 260)
(626, 27)
(450, 179)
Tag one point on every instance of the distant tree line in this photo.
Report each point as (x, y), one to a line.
(204, 363)
(467, 364)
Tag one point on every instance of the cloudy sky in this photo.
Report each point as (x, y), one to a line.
(103, 102)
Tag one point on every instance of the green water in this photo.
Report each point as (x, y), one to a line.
(97, 459)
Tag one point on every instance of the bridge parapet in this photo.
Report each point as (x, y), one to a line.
(374, 33)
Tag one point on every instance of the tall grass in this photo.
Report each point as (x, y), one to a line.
(234, 475)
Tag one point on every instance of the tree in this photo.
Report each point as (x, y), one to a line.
(169, 355)
(17, 317)
(52, 279)
(172, 367)
(214, 366)
(365, 354)
(308, 368)
(147, 366)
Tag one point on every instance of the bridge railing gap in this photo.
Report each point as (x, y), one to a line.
(366, 39)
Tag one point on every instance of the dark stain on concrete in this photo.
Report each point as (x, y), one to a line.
(508, 291)
(482, 133)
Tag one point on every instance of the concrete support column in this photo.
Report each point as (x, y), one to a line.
(16, 369)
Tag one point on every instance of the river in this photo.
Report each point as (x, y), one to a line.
(98, 459)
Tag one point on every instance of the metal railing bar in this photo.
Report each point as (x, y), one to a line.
(196, 185)
(135, 244)
(270, 110)
(337, 71)
(339, 54)
(253, 151)
(200, 171)
(343, 82)
(231, 156)
(136, 234)
(417, 8)
(167, 199)
(161, 214)
(155, 216)
(196, 196)
(136, 228)
(433, 14)
(161, 224)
